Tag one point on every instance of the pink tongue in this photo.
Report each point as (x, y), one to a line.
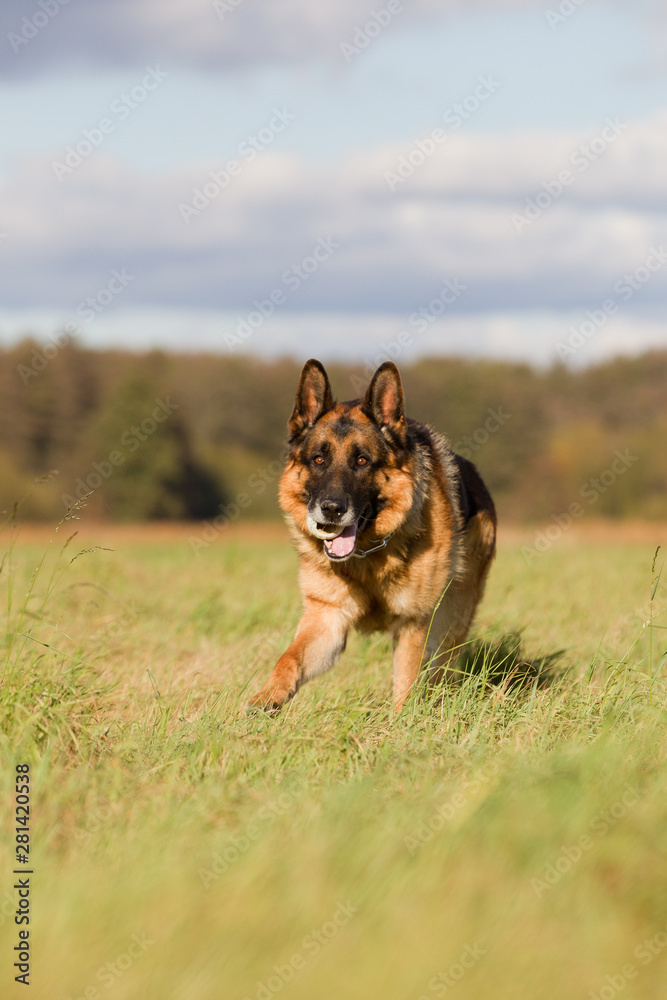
(344, 543)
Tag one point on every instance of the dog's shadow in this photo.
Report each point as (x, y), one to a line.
(500, 662)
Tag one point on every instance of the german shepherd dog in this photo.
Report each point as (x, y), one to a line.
(395, 532)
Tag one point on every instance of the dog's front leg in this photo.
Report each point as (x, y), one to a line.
(319, 640)
(408, 652)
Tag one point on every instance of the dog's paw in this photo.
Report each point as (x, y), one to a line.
(269, 700)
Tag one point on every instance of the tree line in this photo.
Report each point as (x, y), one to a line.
(184, 436)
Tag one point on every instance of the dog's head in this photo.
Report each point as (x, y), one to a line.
(348, 473)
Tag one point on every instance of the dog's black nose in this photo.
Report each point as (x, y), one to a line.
(333, 506)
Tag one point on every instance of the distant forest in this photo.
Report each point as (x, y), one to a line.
(159, 435)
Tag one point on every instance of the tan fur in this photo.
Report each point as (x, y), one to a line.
(436, 558)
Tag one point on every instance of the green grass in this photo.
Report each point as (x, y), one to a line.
(333, 851)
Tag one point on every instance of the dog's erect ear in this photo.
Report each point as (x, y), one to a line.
(384, 401)
(313, 398)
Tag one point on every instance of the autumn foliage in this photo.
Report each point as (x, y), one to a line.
(158, 435)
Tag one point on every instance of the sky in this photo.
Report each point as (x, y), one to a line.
(346, 179)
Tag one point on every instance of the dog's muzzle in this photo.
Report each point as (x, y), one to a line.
(339, 538)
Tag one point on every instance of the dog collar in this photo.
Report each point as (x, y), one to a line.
(375, 548)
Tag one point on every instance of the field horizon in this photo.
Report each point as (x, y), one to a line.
(590, 528)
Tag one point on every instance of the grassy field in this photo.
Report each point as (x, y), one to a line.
(501, 842)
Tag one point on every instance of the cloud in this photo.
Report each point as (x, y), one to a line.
(203, 35)
(225, 36)
(453, 217)
(362, 338)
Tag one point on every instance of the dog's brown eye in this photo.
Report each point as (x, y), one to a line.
(318, 460)
(362, 460)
